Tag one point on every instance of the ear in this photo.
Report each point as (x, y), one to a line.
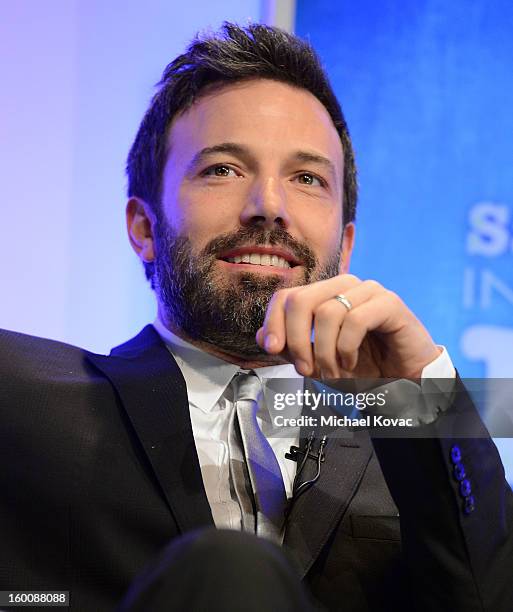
(140, 220)
(347, 247)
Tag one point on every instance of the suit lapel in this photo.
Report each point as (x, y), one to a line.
(153, 393)
(317, 512)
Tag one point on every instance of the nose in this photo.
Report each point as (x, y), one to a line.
(266, 205)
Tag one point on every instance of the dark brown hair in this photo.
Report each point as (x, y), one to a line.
(233, 54)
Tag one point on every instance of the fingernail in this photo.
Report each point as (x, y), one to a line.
(270, 342)
(302, 367)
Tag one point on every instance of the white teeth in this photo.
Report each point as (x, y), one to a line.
(260, 260)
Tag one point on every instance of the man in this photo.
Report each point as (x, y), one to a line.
(242, 195)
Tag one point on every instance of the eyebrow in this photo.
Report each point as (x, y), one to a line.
(315, 158)
(244, 153)
(224, 147)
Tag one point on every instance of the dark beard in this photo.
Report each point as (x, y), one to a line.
(196, 300)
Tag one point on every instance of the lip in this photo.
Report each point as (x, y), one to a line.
(262, 250)
(256, 268)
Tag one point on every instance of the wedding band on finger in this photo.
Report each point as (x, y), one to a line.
(344, 301)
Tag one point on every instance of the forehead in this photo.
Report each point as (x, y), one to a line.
(270, 117)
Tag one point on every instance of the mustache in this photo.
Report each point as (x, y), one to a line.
(256, 236)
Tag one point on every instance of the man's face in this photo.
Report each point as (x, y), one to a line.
(254, 172)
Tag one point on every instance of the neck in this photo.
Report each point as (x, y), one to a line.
(244, 361)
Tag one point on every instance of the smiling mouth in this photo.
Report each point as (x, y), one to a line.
(267, 256)
(258, 259)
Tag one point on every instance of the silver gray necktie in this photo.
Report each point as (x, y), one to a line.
(262, 466)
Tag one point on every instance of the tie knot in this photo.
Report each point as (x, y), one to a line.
(247, 387)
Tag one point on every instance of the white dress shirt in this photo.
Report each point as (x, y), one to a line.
(208, 380)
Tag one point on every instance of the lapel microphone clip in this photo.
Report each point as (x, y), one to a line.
(301, 456)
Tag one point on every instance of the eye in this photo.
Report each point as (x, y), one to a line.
(306, 178)
(221, 170)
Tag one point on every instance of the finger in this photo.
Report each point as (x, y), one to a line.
(288, 319)
(367, 317)
(298, 330)
(329, 318)
(327, 322)
(260, 337)
(301, 306)
(271, 336)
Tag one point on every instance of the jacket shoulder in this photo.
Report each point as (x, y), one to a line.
(25, 355)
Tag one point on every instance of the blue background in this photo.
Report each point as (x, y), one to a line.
(427, 89)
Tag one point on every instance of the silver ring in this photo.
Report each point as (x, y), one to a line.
(344, 301)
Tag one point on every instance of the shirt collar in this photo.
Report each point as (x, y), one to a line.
(206, 375)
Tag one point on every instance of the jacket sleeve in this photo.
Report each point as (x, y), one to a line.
(456, 511)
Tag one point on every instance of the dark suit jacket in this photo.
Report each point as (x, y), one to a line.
(98, 471)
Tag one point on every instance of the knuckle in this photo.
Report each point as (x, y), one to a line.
(344, 348)
(297, 347)
(352, 277)
(295, 300)
(349, 342)
(393, 298)
(354, 318)
(280, 295)
(323, 355)
(373, 284)
(325, 310)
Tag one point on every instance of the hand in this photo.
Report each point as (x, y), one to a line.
(378, 338)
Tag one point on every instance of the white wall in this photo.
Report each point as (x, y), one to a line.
(76, 77)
